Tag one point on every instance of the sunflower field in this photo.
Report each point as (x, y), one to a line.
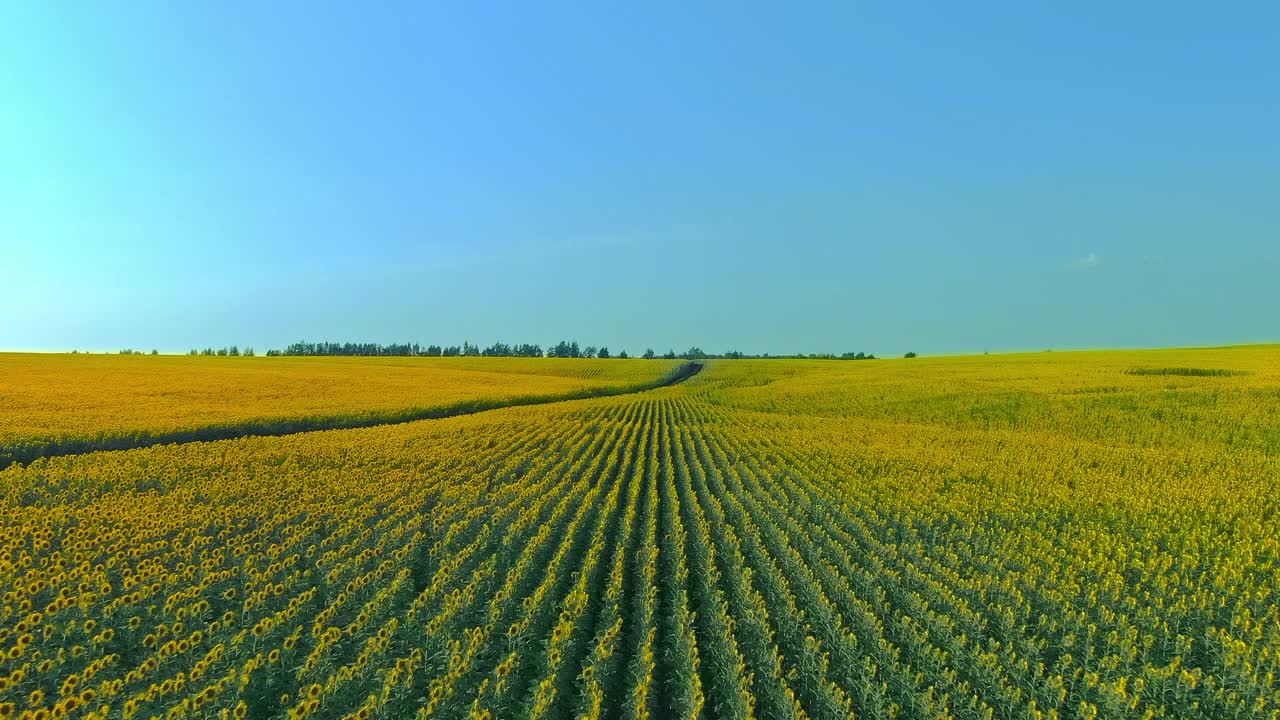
(1047, 535)
(69, 403)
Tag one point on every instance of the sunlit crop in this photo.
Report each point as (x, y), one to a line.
(1032, 536)
(53, 404)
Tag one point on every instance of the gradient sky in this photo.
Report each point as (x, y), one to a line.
(789, 177)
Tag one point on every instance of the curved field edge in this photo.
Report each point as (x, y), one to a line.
(47, 398)
(23, 454)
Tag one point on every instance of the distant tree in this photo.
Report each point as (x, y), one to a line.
(648, 354)
(622, 355)
(234, 351)
(154, 351)
(497, 349)
(222, 352)
(669, 355)
(248, 352)
(566, 349)
(909, 355)
(603, 353)
(589, 351)
(274, 353)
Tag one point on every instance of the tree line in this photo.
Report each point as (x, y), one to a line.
(232, 351)
(562, 349)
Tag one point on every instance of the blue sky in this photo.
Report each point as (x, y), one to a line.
(774, 177)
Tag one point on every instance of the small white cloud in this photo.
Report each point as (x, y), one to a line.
(1088, 261)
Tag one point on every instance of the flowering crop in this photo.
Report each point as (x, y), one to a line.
(1037, 536)
(59, 404)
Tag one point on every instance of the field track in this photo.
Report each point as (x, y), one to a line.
(292, 425)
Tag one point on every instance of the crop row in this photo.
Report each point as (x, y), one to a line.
(665, 555)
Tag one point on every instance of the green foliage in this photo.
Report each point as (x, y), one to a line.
(969, 538)
(1186, 371)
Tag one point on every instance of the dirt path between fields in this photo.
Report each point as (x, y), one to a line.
(292, 426)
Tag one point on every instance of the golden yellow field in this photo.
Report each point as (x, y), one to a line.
(1050, 535)
(75, 402)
